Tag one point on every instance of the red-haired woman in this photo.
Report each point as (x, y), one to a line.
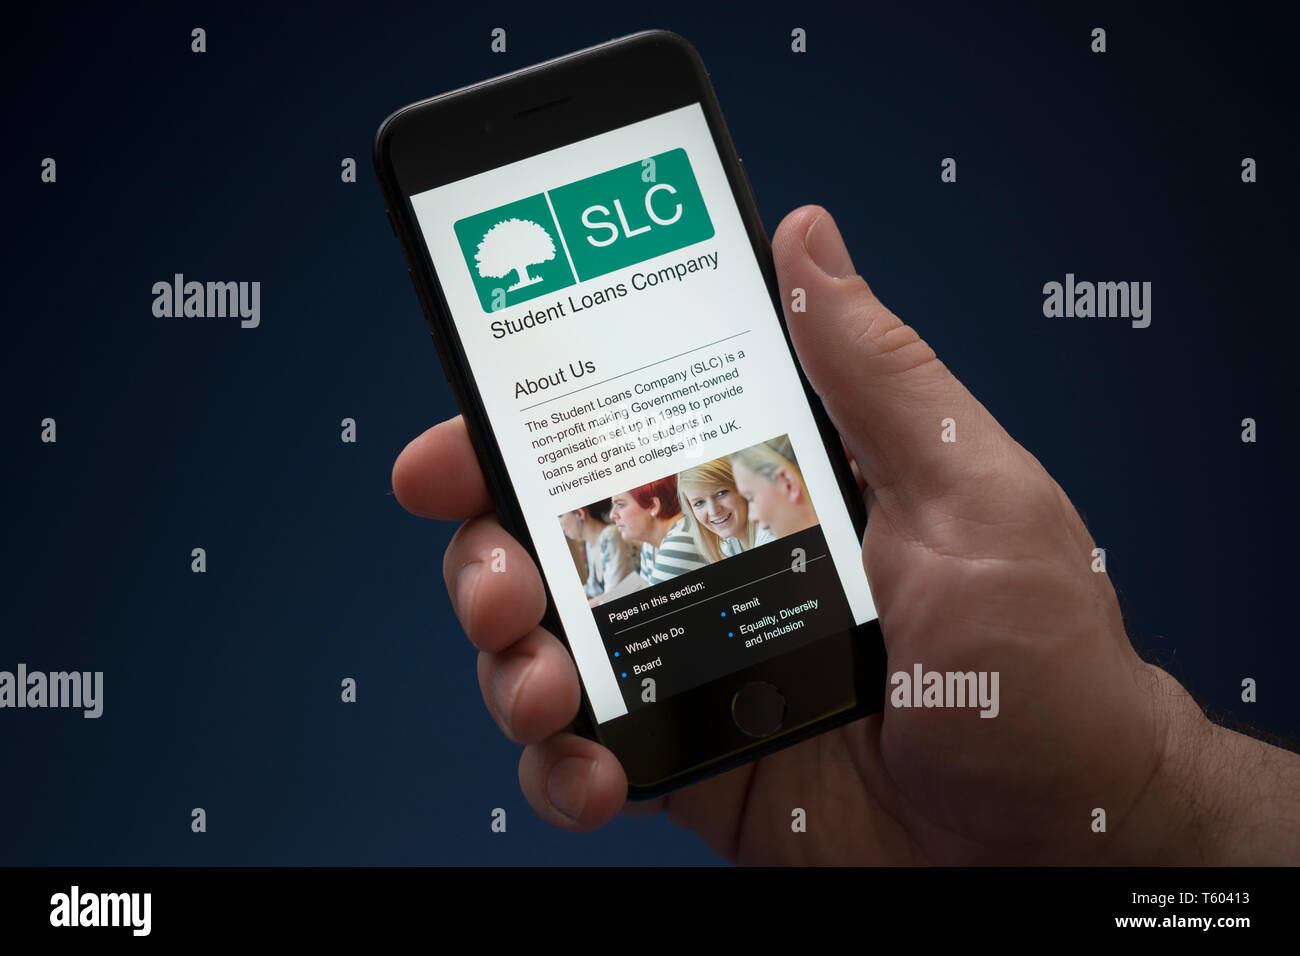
(651, 514)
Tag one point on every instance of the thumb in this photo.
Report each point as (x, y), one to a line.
(887, 393)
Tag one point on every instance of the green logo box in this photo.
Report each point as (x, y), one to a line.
(586, 229)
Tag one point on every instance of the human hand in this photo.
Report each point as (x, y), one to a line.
(977, 562)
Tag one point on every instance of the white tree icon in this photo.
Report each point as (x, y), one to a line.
(512, 246)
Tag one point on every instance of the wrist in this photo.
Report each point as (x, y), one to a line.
(1254, 817)
(1216, 797)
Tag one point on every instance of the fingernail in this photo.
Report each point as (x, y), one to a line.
(506, 683)
(566, 787)
(466, 582)
(826, 248)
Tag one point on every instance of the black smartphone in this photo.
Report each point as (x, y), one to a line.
(598, 283)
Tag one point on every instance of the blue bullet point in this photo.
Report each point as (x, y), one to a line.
(724, 613)
(616, 653)
(625, 673)
(731, 634)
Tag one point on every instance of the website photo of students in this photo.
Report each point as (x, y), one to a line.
(651, 515)
(768, 477)
(613, 562)
(717, 514)
(689, 520)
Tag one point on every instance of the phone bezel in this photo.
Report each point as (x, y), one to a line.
(446, 138)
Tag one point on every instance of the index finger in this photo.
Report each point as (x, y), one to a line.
(438, 476)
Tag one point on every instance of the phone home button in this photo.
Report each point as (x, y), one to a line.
(758, 709)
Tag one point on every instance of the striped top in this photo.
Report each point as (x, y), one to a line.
(675, 555)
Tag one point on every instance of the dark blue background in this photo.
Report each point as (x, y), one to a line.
(222, 689)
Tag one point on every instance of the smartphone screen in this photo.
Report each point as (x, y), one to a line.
(646, 404)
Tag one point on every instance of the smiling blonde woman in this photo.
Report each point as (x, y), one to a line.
(717, 515)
